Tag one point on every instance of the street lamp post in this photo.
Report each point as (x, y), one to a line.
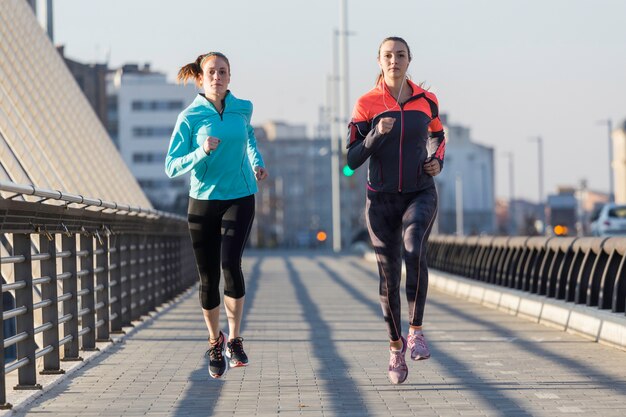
(539, 141)
(460, 228)
(511, 192)
(335, 150)
(609, 125)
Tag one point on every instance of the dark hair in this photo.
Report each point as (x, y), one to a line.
(194, 69)
(395, 39)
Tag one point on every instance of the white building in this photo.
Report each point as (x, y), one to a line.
(143, 107)
(473, 165)
(619, 162)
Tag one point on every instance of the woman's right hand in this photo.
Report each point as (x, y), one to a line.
(385, 125)
(210, 144)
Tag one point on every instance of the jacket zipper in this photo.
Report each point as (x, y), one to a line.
(221, 113)
(415, 97)
(401, 141)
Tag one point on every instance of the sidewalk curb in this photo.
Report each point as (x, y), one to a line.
(601, 326)
(50, 381)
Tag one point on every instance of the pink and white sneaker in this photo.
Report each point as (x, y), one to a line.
(398, 371)
(417, 346)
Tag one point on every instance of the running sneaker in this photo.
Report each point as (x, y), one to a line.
(234, 352)
(398, 371)
(417, 346)
(217, 362)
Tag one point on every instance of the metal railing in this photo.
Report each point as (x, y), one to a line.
(586, 270)
(116, 263)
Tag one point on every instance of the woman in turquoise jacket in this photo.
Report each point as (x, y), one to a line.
(213, 139)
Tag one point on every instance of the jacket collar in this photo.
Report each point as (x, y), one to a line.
(382, 88)
(202, 101)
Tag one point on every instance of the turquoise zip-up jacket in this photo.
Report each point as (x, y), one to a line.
(227, 172)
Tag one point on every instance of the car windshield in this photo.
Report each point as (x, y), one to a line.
(618, 212)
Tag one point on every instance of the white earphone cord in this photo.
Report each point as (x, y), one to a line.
(397, 100)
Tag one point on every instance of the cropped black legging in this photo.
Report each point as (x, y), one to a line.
(399, 226)
(219, 231)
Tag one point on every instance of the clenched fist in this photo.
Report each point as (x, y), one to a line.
(432, 167)
(210, 144)
(385, 125)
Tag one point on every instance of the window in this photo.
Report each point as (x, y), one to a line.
(177, 183)
(618, 212)
(152, 131)
(157, 105)
(147, 158)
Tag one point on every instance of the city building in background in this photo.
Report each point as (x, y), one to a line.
(525, 218)
(470, 166)
(562, 213)
(91, 79)
(142, 111)
(293, 204)
(619, 162)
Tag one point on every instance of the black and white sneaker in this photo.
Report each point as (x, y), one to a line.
(217, 362)
(234, 352)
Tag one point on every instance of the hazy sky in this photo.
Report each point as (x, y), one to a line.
(508, 69)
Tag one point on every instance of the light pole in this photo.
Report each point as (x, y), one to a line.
(344, 110)
(459, 205)
(511, 193)
(539, 141)
(609, 125)
(335, 149)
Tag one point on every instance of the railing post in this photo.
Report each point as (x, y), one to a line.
(162, 274)
(70, 306)
(125, 297)
(179, 265)
(4, 405)
(167, 267)
(27, 374)
(50, 314)
(115, 283)
(134, 278)
(152, 277)
(102, 283)
(142, 285)
(88, 316)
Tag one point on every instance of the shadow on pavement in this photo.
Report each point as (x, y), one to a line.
(584, 370)
(344, 396)
(204, 392)
(490, 392)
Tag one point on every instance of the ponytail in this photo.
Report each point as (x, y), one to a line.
(188, 71)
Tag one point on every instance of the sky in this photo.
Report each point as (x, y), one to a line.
(510, 70)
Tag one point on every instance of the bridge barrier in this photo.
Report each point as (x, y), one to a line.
(589, 271)
(80, 269)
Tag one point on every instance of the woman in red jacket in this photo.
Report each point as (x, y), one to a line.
(396, 125)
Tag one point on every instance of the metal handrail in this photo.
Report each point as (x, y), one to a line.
(118, 264)
(582, 270)
(27, 189)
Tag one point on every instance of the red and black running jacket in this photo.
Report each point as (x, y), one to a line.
(397, 157)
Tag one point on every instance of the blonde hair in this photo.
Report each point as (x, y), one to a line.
(194, 69)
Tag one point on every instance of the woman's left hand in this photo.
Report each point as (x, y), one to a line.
(260, 173)
(432, 167)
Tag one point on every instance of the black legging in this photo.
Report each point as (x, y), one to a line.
(219, 231)
(399, 224)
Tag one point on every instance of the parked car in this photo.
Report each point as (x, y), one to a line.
(610, 220)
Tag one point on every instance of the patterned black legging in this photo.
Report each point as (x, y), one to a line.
(219, 231)
(399, 226)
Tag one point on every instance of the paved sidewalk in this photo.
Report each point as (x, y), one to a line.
(316, 340)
